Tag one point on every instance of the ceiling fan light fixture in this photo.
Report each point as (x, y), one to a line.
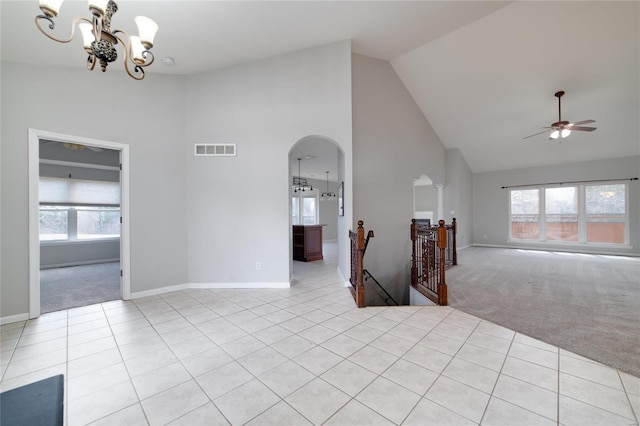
(563, 128)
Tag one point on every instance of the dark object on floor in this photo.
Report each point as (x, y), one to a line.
(36, 404)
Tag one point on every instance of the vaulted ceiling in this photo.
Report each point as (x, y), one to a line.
(482, 72)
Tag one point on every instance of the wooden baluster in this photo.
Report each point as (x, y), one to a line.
(414, 253)
(442, 245)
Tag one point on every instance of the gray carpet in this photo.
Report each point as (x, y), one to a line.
(64, 288)
(586, 304)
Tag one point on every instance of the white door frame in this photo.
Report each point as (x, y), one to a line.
(34, 209)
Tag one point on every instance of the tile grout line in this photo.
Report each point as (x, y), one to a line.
(626, 392)
(13, 351)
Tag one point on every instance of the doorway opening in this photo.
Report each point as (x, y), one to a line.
(425, 200)
(78, 207)
(316, 170)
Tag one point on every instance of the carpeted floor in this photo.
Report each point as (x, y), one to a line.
(63, 288)
(587, 304)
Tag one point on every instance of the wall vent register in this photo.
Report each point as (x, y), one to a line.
(215, 150)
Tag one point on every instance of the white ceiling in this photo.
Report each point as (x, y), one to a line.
(483, 72)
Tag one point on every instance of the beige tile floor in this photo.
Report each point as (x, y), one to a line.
(305, 355)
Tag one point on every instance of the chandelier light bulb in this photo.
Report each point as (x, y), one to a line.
(87, 35)
(50, 7)
(147, 29)
(137, 50)
(555, 134)
(98, 7)
(565, 133)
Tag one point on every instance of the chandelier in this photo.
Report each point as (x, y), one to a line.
(100, 41)
(327, 195)
(299, 183)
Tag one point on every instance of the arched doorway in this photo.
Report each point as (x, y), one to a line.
(425, 200)
(316, 171)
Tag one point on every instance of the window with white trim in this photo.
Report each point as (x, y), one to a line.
(78, 209)
(587, 213)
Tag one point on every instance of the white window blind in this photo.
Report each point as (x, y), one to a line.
(63, 191)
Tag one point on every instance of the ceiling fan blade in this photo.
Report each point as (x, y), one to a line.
(581, 128)
(580, 123)
(536, 134)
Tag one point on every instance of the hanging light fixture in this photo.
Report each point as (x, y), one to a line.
(300, 184)
(98, 38)
(560, 134)
(327, 195)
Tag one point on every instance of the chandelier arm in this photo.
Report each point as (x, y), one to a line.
(97, 28)
(91, 62)
(52, 26)
(126, 42)
(138, 72)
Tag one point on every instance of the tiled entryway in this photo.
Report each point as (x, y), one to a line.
(305, 355)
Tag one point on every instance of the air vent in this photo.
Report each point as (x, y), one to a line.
(215, 150)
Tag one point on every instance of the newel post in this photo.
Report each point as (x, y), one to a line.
(360, 265)
(442, 245)
(454, 230)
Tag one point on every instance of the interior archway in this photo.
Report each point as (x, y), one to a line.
(310, 158)
(425, 199)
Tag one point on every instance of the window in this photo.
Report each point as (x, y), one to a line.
(54, 223)
(98, 222)
(594, 213)
(525, 214)
(605, 213)
(77, 209)
(561, 214)
(304, 208)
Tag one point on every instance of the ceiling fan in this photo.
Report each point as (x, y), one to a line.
(561, 129)
(75, 146)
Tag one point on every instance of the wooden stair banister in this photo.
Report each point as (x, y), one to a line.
(433, 251)
(442, 246)
(357, 266)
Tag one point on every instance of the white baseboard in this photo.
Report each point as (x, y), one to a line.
(346, 282)
(86, 262)
(178, 287)
(157, 291)
(594, 252)
(240, 285)
(14, 318)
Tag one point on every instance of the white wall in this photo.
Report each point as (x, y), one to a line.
(393, 143)
(147, 115)
(491, 203)
(61, 254)
(238, 207)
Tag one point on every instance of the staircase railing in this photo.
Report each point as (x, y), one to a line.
(388, 298)
(357, 269)
(433, 250)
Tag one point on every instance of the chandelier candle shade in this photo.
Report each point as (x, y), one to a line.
(99, 40)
